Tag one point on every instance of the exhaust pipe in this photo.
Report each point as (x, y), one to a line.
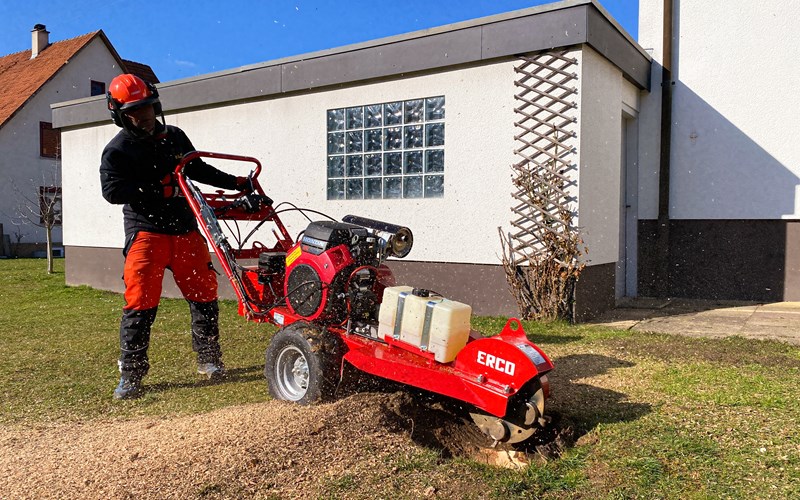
(399, 239)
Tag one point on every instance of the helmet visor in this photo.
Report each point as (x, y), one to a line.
(130, 106)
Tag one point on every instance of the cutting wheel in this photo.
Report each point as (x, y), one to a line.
(524, 416)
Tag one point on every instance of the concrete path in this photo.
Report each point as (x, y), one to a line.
(708, 318)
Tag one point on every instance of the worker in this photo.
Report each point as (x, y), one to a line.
(137, 171)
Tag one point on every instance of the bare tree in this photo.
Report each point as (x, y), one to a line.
(39, 204)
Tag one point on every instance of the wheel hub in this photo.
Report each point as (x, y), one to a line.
(300, 372)
(292, 375)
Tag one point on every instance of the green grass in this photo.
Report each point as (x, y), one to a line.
(554, 478)
(655, 416)
(59, 346)
(746, 386)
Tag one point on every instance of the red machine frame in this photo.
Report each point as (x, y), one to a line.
(487, 373)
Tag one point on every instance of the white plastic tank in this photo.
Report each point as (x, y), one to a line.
(431, 322)
(449, 329)
(388, 310)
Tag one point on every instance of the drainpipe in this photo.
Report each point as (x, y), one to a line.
(662, 231)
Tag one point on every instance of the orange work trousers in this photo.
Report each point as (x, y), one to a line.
(186, 255)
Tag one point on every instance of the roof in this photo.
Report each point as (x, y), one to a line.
(21, 77)
(568, 23)
(143, 71)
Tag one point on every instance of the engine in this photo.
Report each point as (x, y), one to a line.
(336, 274)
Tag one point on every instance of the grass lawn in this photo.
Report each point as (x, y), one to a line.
(655, 416)
(59, 346)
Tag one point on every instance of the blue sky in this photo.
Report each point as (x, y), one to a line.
(180, 39)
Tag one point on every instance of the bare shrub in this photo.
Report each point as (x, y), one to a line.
(542, 260)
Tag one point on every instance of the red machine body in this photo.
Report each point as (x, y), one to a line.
(330, 278)
(325, 267)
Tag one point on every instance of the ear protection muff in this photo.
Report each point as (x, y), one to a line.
(157, 102)
(113, 108)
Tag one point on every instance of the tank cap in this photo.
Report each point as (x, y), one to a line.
(421, 292)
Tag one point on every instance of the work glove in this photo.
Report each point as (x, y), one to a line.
(170, 186)
(244, 184)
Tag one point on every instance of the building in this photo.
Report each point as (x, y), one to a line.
(458, 92)
(30, 148)
(727, 227)
(677, 152)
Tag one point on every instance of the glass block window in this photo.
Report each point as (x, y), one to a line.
(387, 150)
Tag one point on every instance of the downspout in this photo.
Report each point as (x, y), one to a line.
(662, 285)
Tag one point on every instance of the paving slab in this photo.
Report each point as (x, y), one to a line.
(789, 307)
(707, 318)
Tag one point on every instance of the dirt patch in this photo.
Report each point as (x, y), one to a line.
(442, 424)
(724, 352)
(273, 448)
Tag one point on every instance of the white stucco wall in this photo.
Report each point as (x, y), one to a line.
(734, 109)
(20, 163)
(604, 94)
(288, 136)
(650, 29)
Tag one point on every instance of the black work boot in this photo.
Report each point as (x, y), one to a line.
(130, 387)
(205, 339)
(214, 370)
(134, 339)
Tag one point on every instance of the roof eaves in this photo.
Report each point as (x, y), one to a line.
(113, 51)
(567, 23)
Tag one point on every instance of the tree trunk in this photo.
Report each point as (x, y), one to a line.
(49, 231)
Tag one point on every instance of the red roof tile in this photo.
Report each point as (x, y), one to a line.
(143, 71)
(21, 77)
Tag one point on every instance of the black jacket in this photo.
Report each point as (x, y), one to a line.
(131, 171)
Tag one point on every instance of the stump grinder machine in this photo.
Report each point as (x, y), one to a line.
(335, 301)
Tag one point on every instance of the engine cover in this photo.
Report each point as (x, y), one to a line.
(314, 285)
(307, 290)
(324, 235)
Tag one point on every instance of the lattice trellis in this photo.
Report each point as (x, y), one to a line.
(546, 119)
(543, 239)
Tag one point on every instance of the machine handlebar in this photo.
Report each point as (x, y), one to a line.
(189, 157)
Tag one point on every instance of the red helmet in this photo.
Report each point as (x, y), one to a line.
(127, 92)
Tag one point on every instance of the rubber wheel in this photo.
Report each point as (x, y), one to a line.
(302, 364)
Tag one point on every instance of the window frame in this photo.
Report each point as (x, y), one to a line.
(93, 84)
(48, 134)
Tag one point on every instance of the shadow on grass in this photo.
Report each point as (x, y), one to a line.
(234, 376)
(572, 397)
(583, 406)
